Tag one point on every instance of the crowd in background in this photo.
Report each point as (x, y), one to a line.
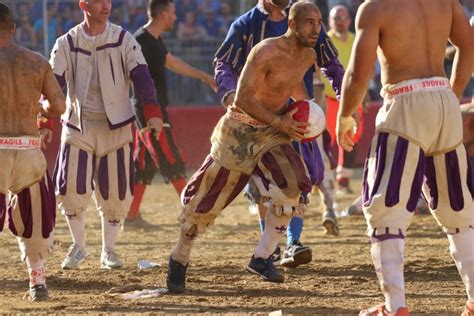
(200, 27)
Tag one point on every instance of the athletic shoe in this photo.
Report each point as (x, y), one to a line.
(137, 223)
(468, 309)
(176, 276)
(355, 208)
(296, 254)
(39, 292)
(265, 269)
(381, 311)
(276, 256)
(75, 256)
(330, 223)
(109, 259)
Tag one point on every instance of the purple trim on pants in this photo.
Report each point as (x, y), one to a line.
(48, 207)
(265, 181)
(3, 210)
(195, 181)
(208, 201)
(365, 185)
(453, 175)
(121, 174)
(327, 149)
(470, 183)
(24, 203)
(94, 167)
(380, 156)
(81, 180)
(62, 169)
(312, 159)
(430, 174)
(131, 170)
(304, 184)
(392, 196)
(386, 236)
(270, 163)
(103, 177)
(417, 183)
(243, 179)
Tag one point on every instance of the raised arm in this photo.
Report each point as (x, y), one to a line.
(462, 37)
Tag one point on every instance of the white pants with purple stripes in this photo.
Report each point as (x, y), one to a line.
(27, 196)
(98, 163)
(418, 149)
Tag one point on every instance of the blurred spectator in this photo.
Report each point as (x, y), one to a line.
(189, 29)
(25, 33)
(206, 5)
(213, 25)
(227, 14)
(138, 16)
(116, 17)
(184, 6)
(54, 30)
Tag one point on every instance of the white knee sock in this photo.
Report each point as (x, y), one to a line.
(387, 256)
(182, 250)
(275, 227)
(77, 226)
(461, 246)
(36, 270)
(110, 229)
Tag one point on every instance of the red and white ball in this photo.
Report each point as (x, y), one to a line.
(310, 112)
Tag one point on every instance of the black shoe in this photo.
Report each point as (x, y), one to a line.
(38, 293)
(276, 256)
(265, 269)
(296, 254)
(176, 277)
(330, 223)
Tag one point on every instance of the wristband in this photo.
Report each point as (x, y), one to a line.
(152, 110)
(44, 122)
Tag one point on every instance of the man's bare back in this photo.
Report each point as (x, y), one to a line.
(412, 35)
(24, 77)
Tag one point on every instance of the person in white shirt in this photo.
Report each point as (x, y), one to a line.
(98, 60)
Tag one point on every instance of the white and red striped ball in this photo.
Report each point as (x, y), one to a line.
(310, 112)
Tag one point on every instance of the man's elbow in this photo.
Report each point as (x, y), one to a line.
(57, 109)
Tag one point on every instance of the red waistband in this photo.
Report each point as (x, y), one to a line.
(430, 84)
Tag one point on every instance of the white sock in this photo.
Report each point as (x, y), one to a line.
(36, 270)
(326, 192)
(387, 257)
(182, 251)
(77, 227)
(275, 227)
(110, 229)
(461, 247)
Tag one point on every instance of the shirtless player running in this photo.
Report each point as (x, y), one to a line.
(254, 137)
(24, 184)
(410, 38)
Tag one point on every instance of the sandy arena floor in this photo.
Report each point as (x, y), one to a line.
(339, 280)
